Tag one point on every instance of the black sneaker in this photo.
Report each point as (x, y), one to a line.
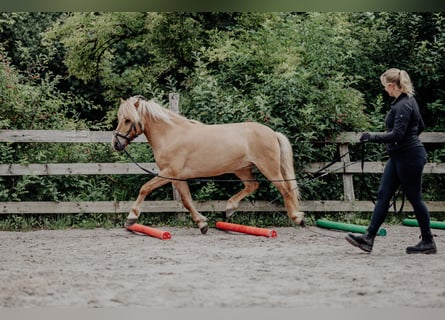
(424, 246)
(364, 242)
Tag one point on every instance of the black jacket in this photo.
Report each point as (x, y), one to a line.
(403, 125)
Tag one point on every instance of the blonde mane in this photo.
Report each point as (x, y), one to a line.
(151, 108)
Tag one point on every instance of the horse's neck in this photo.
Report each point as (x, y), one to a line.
(160, 132)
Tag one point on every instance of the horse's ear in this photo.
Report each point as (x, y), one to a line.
(136, 104)
(122, 101)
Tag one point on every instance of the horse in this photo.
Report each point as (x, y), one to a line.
(188, 149)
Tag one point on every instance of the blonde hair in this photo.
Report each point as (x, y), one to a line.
(400, 78)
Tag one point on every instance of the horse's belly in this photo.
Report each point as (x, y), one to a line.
(214, 165)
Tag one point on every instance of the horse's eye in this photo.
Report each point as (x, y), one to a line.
(127, 121)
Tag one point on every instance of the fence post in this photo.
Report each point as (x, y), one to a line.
(174, 106)
(348, 184)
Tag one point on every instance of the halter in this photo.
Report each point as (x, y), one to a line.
(126, 136)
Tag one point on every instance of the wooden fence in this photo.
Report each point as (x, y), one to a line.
(347, 168)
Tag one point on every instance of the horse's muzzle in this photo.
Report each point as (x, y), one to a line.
(120, 141)
(117, 144)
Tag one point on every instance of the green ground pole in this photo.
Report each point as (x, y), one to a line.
(433, 224)
(355, 228)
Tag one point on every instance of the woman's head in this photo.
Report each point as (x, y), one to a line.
(395, 80)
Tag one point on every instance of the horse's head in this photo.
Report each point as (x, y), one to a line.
(129, 124)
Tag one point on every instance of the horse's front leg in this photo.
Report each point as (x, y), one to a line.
(145, 190)
(186, 197)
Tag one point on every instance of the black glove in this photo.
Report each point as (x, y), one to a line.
(366, 137)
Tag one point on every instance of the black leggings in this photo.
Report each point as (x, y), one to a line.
(404, 170)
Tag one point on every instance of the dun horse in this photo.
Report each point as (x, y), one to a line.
(186, 149)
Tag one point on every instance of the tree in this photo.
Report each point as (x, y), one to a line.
(414, 42)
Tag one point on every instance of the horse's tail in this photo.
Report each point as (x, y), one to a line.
(287, 163)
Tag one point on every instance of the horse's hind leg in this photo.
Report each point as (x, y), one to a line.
(250, 185)
(291, 202)
(145, 190)
(187, 201)
(288, 191)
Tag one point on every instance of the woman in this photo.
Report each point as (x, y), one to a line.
(407, 157)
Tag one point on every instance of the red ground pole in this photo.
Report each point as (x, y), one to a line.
(149, 231)
(246, 229)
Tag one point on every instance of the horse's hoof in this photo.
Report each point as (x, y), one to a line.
(130, 222)
(298, 218)
(204, 227)
(229, 213)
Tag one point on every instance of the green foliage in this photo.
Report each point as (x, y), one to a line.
(414, 42)
(20, 35)
(97, 36)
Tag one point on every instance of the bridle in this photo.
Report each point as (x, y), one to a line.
(126, 135)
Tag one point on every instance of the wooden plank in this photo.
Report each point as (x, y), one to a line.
(53, 207)
(354, 137)
(53, 136)
(50, 207)
(369, 167)
(433, 167)
(362, 206)
(54, 169)
(67, 136)
(340, 168)
(78, 136)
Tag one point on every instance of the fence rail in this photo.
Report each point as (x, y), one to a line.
(346, 168)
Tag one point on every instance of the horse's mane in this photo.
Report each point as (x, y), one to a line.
(153, 109)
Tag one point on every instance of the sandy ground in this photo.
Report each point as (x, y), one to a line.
(308, 267)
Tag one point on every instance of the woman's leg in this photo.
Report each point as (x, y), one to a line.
(410, 173)
(388, 185)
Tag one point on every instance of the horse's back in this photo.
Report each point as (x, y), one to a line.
(250, 136)
(255, 140)
(247, 130)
